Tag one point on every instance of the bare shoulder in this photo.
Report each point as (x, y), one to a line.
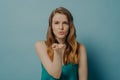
(82, 50)
(82, 47)
(83, 63)
(40, 46)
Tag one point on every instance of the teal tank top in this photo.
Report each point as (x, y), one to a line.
(69, 72)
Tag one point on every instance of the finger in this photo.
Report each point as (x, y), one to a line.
(54, 46)
(61, 46)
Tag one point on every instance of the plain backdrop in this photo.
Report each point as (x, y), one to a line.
(23, 22)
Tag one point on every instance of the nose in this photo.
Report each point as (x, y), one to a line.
(61, 26)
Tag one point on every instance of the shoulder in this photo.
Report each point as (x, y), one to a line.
(39, 43)
(40, 46)
(83, 53)
(82, 50)
(82, 47)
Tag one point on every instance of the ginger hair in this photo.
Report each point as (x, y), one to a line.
(71, 54)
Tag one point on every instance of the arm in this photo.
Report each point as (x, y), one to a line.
(83, 74)
(53, 68)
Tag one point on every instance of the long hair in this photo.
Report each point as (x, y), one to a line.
(72, 46)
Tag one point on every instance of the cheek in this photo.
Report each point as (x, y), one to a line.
(67, 29)
(54, 29)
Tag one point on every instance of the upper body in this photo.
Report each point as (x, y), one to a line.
(61, 54)
(69, 72)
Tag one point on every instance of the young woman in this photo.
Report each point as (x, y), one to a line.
(62, 57)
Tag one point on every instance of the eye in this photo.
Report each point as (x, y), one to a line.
(65, 22)
(56, 22)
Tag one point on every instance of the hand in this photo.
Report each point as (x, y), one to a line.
(58, 48)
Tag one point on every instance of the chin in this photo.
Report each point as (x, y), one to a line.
(61, 37)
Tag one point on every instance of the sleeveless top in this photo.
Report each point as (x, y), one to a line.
(69, 72)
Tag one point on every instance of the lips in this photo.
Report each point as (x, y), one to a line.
(61, 33)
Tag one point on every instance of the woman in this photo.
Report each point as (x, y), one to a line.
(62, 57)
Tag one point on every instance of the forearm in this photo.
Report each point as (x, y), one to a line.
(56, 65)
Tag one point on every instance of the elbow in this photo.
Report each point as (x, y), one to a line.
(56, 74)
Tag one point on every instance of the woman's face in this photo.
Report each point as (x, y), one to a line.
(60, 25)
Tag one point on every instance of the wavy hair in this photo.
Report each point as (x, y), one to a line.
(72, 46)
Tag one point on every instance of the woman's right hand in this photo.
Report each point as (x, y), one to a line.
(58, 48)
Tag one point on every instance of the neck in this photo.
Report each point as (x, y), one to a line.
(61, 41)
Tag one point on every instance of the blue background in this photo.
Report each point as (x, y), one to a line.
(23, 22)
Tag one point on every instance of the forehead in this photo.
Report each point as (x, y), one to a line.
(60, 17)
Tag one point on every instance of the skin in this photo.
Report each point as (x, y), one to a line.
(60, 29)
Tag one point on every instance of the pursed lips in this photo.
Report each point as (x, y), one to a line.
(61, 32)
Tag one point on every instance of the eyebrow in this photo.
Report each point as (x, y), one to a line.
(58, 21)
